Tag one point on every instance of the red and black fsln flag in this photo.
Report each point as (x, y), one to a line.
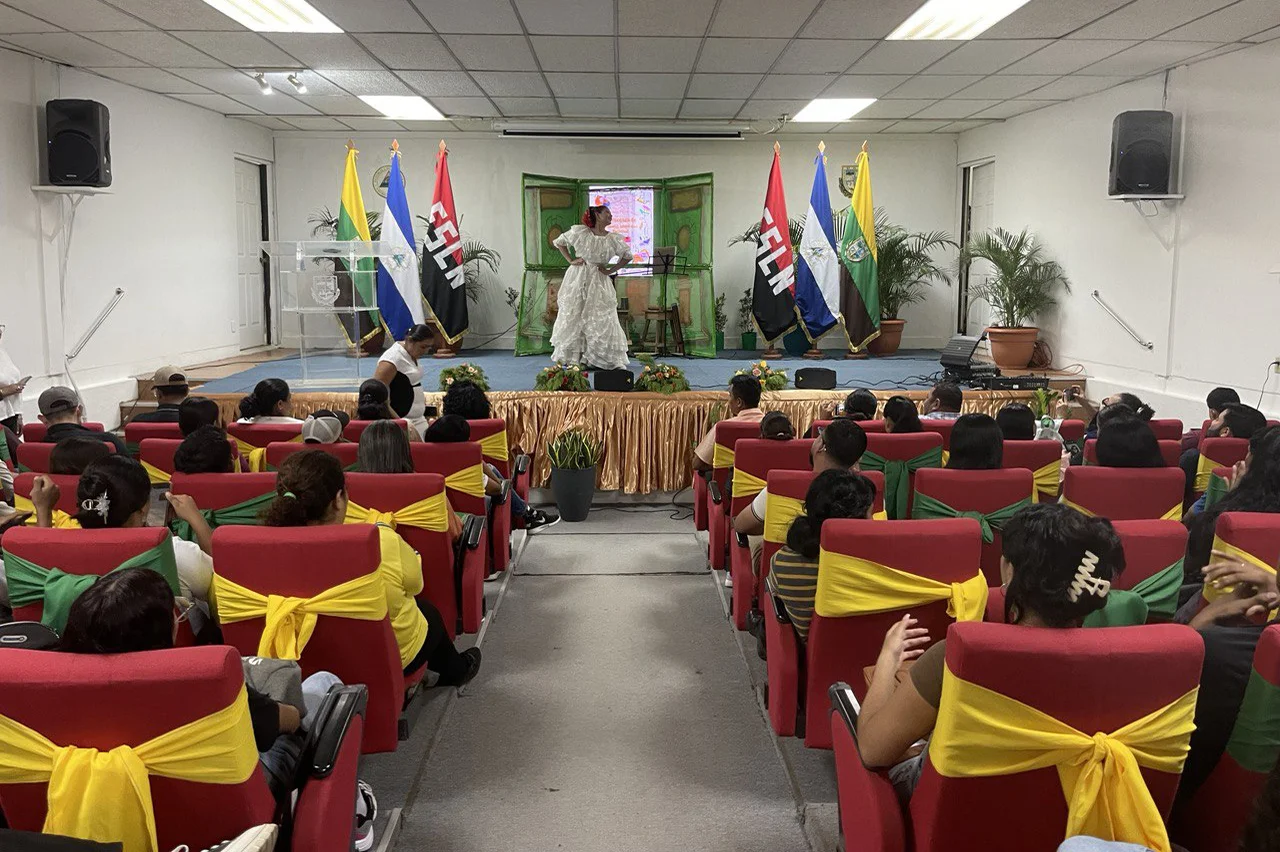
(443, 286)
(773, 299)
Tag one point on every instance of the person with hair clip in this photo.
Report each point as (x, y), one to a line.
(776, 426)
(401, 358)
(587, 331)
(1074, 398)
(900, 415)
(268, 403)
(976, 443)
(1057, 568)
(311, 490)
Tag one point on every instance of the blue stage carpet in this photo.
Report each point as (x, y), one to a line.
(907, 369)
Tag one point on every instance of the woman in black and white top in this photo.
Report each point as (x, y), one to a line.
(402, 358)
(268, 403)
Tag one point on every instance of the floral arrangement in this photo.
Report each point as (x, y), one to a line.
(661, 378)
(559, 377)
(463, 372)
(770, 379)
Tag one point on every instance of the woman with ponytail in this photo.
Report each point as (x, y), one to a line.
(311, 491)
(587, 331)
(793, 576)
(400, 364)
(268, 403)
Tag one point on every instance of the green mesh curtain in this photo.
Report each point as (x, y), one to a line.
(682, 213)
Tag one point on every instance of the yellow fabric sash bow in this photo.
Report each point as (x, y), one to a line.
(257, 456)
(106, 796)
(1047, 480)
(494, 447)
(155, 474)
(848, 585)
(61, 520)
(722, 456)
(983, 733)
(469, 480)
(779, 512)
(882, 515)
(291, 621)
(1204, 469)
(746, 484)
(1173, 514)
(429, 514)
(1210, 593)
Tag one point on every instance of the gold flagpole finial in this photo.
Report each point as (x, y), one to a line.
(351, 145)
(822, 147)
(443, 147)
(395, 145)
(864, 146)
(776, 147)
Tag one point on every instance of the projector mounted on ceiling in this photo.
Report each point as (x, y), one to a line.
(617, 130)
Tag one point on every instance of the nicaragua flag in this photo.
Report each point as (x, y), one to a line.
(818, 268)
(399, 298)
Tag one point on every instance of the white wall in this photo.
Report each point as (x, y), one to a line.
(1208, 301)
(167, 234)
(914, 178)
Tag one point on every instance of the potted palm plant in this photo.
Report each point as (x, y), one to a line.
(1022, 284)
(574, 456)
(905, 271)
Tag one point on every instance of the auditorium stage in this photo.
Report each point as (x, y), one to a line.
(647, 437)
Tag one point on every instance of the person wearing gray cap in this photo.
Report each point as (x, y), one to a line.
(62, 414)
(323, 427)
(170, 387)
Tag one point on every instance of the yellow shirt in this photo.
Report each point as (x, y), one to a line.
(401, 571)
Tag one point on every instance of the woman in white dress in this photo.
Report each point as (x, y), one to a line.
(587, 330)
(402, 357)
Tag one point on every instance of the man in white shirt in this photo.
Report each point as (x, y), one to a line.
(943, 402)
(744, 405)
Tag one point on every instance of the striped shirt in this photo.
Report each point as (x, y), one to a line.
(794, 580)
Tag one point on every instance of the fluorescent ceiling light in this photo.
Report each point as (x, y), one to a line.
(830, 110)
(276, 16)
(403, 106)
(957, 20)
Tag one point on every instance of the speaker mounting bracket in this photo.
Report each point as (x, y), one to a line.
(1154, 209)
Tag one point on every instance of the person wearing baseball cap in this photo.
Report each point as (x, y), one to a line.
(62, 414)
(323, 427)
(170, 387)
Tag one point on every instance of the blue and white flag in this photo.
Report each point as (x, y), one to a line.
(818, 267)
(399, 293)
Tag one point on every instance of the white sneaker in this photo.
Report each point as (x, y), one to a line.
(728, 579)
(366, 813)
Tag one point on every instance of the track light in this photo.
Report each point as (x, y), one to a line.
(263, 84)
(298, 86)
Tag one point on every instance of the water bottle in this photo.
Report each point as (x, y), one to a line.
(1048, 431)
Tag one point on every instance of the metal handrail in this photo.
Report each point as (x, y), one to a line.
(1145, 344)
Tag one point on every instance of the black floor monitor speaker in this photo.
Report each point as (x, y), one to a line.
(613, 380)
(1141, 152)
(78, 139)
(815, 378)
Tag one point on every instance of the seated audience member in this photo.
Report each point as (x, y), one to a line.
(1126, 441)
(1114, 411)
(1049, 551)
(205, 450)
(466, 399)
(1017, 422)
(70, 456)
(1075, 398)
(134, 610)
(374, 401)
(10, 452)
(322, 427)
(1216, 401)
(976, 443)
(170, 388)
(861, 405)
(1254, 488)
(900, 415)
(1233, 421)
(384, 448)
(744, 404)
(61, 412)
(311, 491)
(268, 403)
(197, 411)
(776, 426)
(793, 575)
(943, 402)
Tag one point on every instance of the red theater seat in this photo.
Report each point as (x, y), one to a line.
(1125, 493)
(49, 693)
(302, 562)
(901, 452)
(354, 429)
(136, 433)
(344, 453)
(1074, 676)
(1153, 552)
(1215, 452)
(67, 503)
(253, 438)
(1167, 429)
(868, 426)
(34, 431)
(491, 435)
(728, 433)
(984, 491)
(1170, 451)
(1043, 459)
(156, 455)
(939, 426)
(33, 456)
(1254, 536)
(214, 492)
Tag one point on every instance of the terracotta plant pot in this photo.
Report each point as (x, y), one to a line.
(1012, 348)
(890, 337)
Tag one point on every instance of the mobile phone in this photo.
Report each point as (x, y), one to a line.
(431, 411)
(24, 380)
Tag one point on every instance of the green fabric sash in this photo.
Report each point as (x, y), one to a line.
(30, 583)
(1255, 739)
(1216, 491)
(1157, 594)
(897, 473)
(927, 507)
(237, 514)
(132, 448)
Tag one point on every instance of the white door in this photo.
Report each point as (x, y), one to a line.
(981, 218)
(250, 283)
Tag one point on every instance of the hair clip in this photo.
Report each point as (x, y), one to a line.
(99, 505)
(1085, 581)
(289, 494)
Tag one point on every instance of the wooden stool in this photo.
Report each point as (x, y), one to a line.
(664, 317)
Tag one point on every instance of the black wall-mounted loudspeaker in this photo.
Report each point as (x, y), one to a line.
(613, 380)
(815, 378)
(78, 142)
(1141, 152)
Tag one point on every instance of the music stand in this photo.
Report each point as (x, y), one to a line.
(664, 263)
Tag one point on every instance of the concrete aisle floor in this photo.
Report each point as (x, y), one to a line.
(614, 711)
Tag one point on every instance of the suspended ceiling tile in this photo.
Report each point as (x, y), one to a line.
(156, 48)
(723, 86)
(954, 108)
(821, 55)
(657, 17)
(492, 52)
(896, 109)
(1052, 20)
(1144, 19)
(472, 16)
(650, 108)
(415, 51)
(235, 83)
(316, 85)
(962, 126)
(659, 86)
(761, 108)
(933, 85)
(1075, 86)
(752, 18)
(565, 53)
(864, 85)
(379, 125)
(1068, 56)
(175, 15)
(276, 104)
(365, 82)
(13, 21)
(803, 86)
(343, 105)
(325, 50)
(902, 57)
(583, 85)
(1149, 57)
(552, 17)
(217, 103)
(914, 126)
(240, 50)
(858, 18)
(986, 56)
(81, 16)
(1269, 35)
(511, 84)
(1234, 23)
(526, 106)
(454, 84)
(478, 107)
(1008, 109)
(426, 125)
(739, 55)
(312, 122)
(1006, 86)
(268, 121)
(723, 108)
(72, 49)
(151, 79)
(588, 107)
(657, 54)
(372, 16)
(856, 125)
